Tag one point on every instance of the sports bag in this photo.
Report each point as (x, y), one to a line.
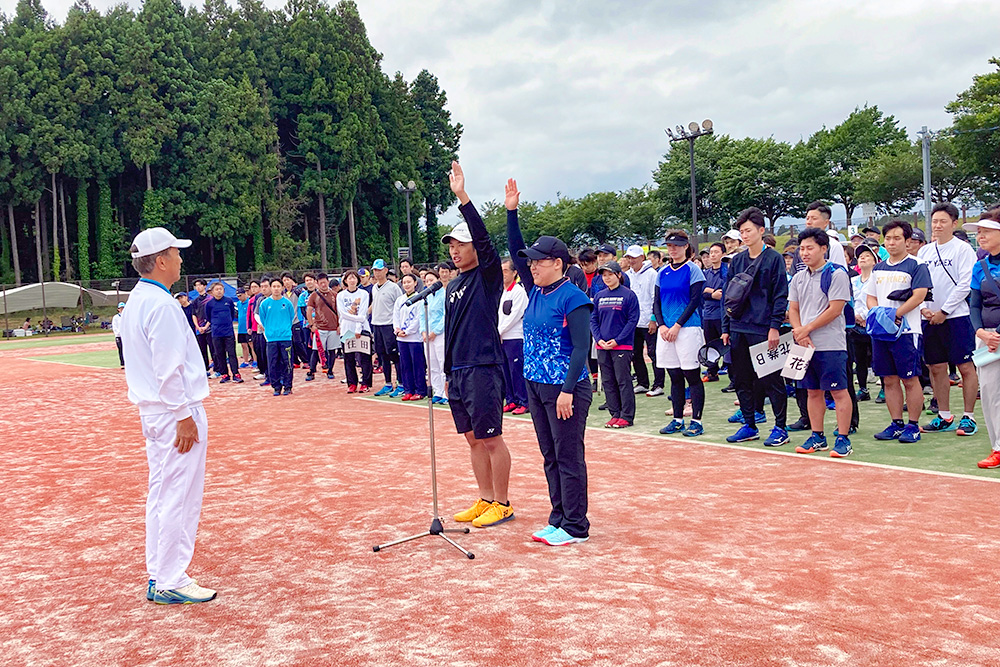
(737, 292)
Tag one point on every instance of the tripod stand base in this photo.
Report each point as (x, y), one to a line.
(435, 529)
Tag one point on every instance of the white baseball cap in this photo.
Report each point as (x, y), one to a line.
(732, 234)
(156, 239)
(634, 251)
(985, 224)
(460, 233)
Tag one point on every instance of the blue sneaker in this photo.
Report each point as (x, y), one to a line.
(841, 447)
(675, 426)
(244, 365)
(694, 429)
(744, 434)
(387, 389)
(559, 538)
(736, 417)
(190, 594)
(265, 383)
(253, 364)
(890, 432)
(397, 392)
(150, 589)
(216, 375)
(540, 535)
(830, 405)
(760, 418)
(778, 437)
(814, 443)
(938, 425)
(910, 433)
(851, 431)
(967, 426)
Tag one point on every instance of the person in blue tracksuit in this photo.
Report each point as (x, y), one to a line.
(616, 307)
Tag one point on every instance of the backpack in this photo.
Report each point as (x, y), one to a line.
(737, 292)
(824, 284)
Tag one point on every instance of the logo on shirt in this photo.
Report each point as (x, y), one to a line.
(457, 294)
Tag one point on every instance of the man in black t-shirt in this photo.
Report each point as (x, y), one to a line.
(473, 358)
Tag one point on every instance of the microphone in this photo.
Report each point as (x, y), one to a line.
(423, 294)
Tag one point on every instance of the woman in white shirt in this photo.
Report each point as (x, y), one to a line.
(406, 326)
(352, 307)
(866, 258)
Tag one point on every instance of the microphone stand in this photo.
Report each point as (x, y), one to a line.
(436, 527)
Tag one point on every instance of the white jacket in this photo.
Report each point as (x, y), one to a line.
(643, 283)
(350, 324)
(165, 371)
(513, 302)
(405, 318)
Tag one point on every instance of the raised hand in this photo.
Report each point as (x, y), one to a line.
(456, 178)
(511, 195)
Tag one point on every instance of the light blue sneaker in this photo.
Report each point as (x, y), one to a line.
(910, 434)
(744, 434)
(778, 437)
(387, 389)
(814, 443)
(694, 429)
(736, 417)
(675, 426)
(151, 589)
(967, 426)
(540, 535)
(190, 594)
(559, 538)
(760, 418)
(842, 447)
(397, 392)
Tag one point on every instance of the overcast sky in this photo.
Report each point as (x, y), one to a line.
(573, 96)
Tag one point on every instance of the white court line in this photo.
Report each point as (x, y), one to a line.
(768, 452)
(67, 363)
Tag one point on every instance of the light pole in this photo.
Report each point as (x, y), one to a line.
(692, 132)
(925, 158)
(410, 188)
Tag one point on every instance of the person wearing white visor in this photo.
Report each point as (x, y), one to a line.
(166, 380)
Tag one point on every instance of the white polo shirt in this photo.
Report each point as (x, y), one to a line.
(165, 371)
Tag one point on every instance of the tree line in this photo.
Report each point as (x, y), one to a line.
(271, 136)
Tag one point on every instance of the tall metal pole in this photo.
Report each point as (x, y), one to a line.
(925, 145)
(694, 196)
(409, 230)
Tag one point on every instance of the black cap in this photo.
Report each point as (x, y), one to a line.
(864, 247)
(676, 239)
(546, 247)
(611, 266)
(918, 235)
(873, 228)
(871, 243)
(607, 248)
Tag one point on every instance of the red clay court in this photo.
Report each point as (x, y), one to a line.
(699, 554)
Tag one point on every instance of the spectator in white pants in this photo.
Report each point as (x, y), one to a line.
(434, 338)
(166, 380)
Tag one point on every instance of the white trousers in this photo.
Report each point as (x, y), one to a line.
(173, 506)
(436, 365)
(989, 392)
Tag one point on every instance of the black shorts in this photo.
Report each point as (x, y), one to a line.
(242, 338)
(475, 396)
(952, 341)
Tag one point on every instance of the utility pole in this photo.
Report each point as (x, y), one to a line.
(925, 152)
(692, 132)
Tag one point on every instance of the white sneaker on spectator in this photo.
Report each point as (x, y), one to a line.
(640, 389)
(259, 376)
(655, 391)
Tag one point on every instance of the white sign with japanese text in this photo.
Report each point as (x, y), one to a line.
(362, 345)
(797, 362)
(767, 361)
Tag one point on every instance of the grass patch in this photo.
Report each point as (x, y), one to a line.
(39, 341)
(99, 358)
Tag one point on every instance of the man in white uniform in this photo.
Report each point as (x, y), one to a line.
(166, 380)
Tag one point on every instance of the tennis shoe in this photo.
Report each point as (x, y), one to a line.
(237, 379)
(676, 426)
(639, 389)
(540, 535)
(777, 438)
(694, 429)
(520, 410)
(611, 422)
(744, 434)
(967, 426)
(939, 424)
(991, 461)
(258, 376)
(910, 433)
(473, 512)
(287, 391)
(655, 391)
(509, 407)
(736, 417)
(352, 388)
(397, 392)
(362, 389)
(622, 423)
(890, 432)
(387, 389)
(496, 514)
(151, 589)
(190, 594)
(225, 379)
(814, 443)
(276, 392)
(841, 447)
(799, 425)
(559, 538)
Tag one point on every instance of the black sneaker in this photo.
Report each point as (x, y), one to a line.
(277, 392)
(310, 376)
(287, 391)
(798, 425)
(730, 388)
(863, 395)
(602, 406)
(933, 409)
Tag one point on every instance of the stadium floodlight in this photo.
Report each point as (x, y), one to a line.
(408, 190)
(693, 132)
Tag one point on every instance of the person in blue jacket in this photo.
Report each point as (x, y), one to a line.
(556, 343)
(220, 311)
(616, 308)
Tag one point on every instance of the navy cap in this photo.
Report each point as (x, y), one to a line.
(918, 235)
(676, 239)
(608, 248)
(546, 247)
(611, 266)
(873, 228)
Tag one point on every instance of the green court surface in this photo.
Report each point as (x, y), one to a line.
(944, 452)
(98, 358)
(42, 341)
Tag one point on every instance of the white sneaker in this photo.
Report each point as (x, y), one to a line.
(259, 376)
(655, 391)
(190, 594)
(640, 389)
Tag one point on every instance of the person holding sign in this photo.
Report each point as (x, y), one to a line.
(352, 309)
(900, 282)
(755, 299)
(816, 298)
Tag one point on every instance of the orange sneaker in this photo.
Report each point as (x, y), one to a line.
(991, 461)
